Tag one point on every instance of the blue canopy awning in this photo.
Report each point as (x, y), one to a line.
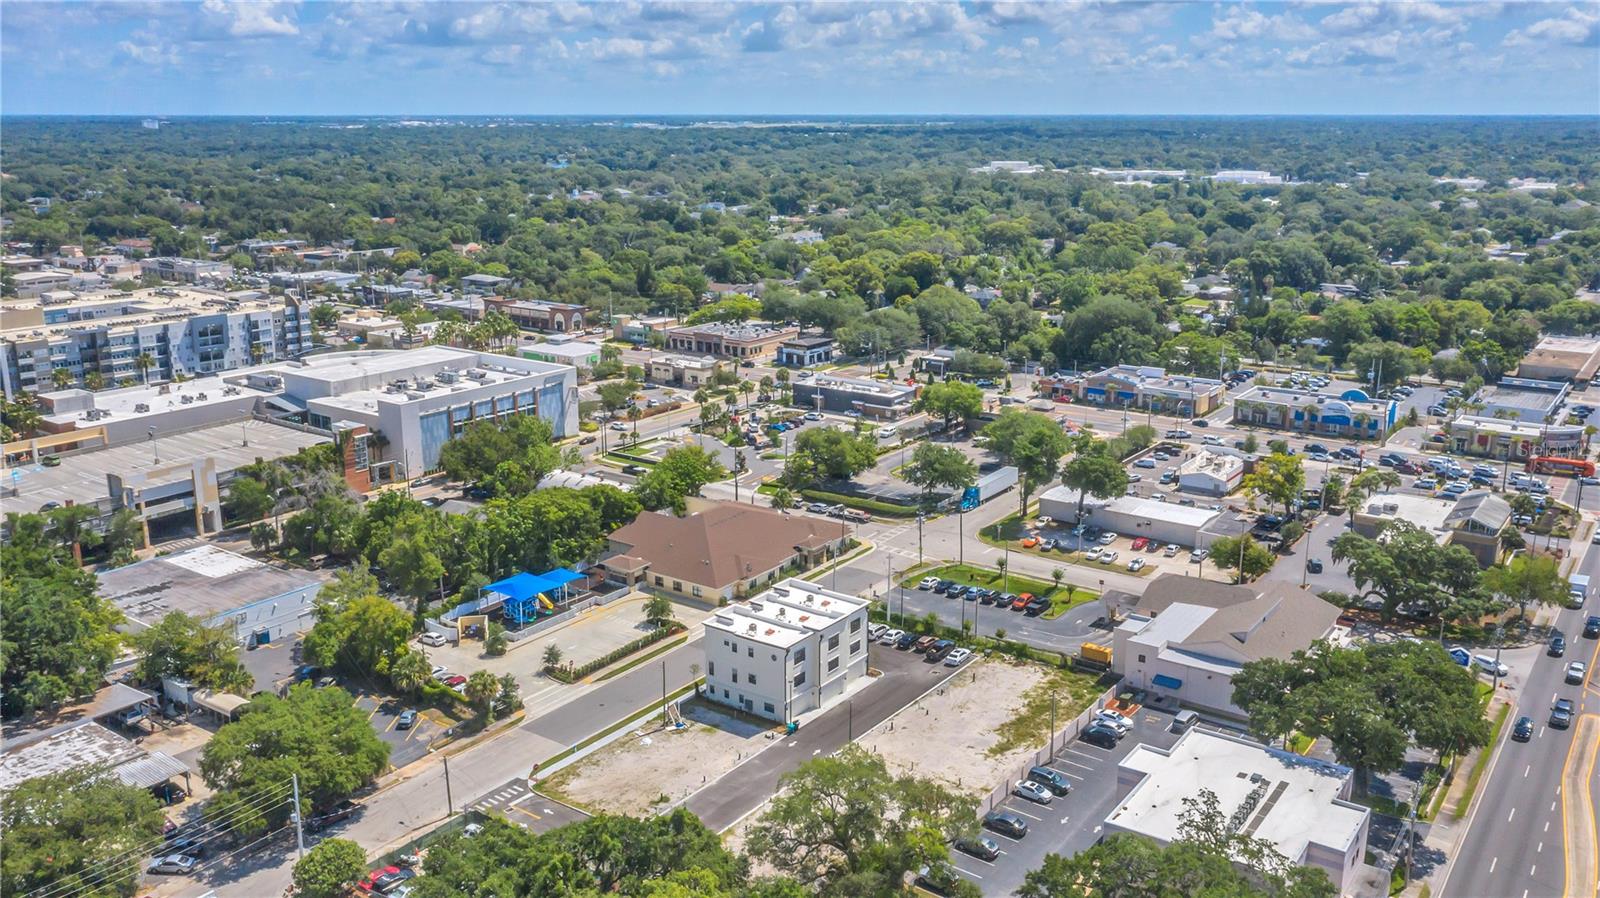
(521, 586)
(1166, 682)
(561, 576)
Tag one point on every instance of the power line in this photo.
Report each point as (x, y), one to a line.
(211, 829)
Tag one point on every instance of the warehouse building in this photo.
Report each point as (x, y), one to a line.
(882, 400)
(1132, 516)
(1574, 359)
(1522, 399)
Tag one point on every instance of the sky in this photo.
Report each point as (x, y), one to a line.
(374, 57)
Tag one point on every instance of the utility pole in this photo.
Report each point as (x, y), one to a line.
(299, 832)
(449, 803)
(663, 692)
(920, 518)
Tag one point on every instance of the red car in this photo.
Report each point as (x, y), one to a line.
(455, 681)
(366, 885)
(1140, 543)
(1022, 601)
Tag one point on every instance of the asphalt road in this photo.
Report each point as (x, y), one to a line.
(726, 800)
(1516, 842)
(620, 697)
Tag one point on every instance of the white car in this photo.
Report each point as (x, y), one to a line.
(1171, 550)
(1199, 555)
(1093, 554)
(1210, 440)
(1577, 671)
(440, 673)
(927, 582)
(1136, 565)
(432, 638)
(1109, 716)
(957, 657)
(876, 630)
(1032, 791)
(1108, 557)
(1044, 521)
(813, 416)
(619, 426)
(1488, 665)
(1107, 538)
(890, 637)
(885, 433)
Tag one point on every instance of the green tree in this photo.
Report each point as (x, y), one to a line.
(681, 472)
(658, 611)
(73, 833)
(412, 557)
(248, 500)
(1366, 484)
(481, 690)
(1405, 565)
(56, 635)
(318, 734)
(950, 400)
(1278, 478)
(186, 648)
(782, 498)
(1527, 580)
(1369, 702)
(409, 672)
(71, 525)
(845, 817)
(1227, 551)
(824, 453)
(330, 869)
(552, 655)
(506, 458)
(1034, 444)
(362, 637)
(1093, 471)
(933, 467)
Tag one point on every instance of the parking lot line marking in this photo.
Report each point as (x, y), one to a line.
(1006, 837)
(1492, 862)
(1510, 815)
(525, 811)
(966, 872)
(392, 722)
(1023, 813)
(1526, 770)
(1073, 763)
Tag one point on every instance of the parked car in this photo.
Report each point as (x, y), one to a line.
(432, 638)
(1488, 665)
(1021, 601)
(1093, 554)
(1577, 672)
(1036, 607)
(407, 719)
(174, 865)
(1171, 550)
(981, 847)
(1136, 565)
(455, 680)
(906, 641)
(1314, 566)
(1199, 555)
(939, 650)
(1099, 735)
(1522, 730)
(1032, 791)
(1107, 538)
(957, 657)
(957, 591)
(943, 586)
(1145, 463)
(927, 582)
(1558, 646)
(876, 630)
(1112, 718)
(1108, 557)
(890, 637)
(1052, 780)
(924, 643)
(1006, 824)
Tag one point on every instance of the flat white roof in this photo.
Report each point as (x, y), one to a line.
(1424, 511)
(1292, 801)
(123, 404)
(1186, 515)
(1217, 464)
(741, 620)
(570, 350)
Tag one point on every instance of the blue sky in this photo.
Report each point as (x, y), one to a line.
(924, 58)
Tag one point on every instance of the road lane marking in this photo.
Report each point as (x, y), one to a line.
(1577, 811)
(1526, 770)
(1511, 815)
(1540, 849)
(525, 811)
(1492, 863)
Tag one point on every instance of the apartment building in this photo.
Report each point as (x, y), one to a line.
(185, 271)
(794, 648)
(187, 331)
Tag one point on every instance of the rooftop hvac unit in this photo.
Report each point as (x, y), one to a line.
(447, 377)
(141, 407)
(413, 394)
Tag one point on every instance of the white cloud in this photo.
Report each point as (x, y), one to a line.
(1579, 27)
(1239, 22)
(244, 18)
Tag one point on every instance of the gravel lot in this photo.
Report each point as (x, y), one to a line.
(948, 736)
(654, 768)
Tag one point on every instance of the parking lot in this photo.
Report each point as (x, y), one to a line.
(405, 745)
(1070, 823)
(526, 808)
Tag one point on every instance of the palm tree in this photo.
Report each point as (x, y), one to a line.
(634, 414)
(70, 525)
(94, 380)
(746, 387)
(783, 383)
(144, 362)
(481, 690)
(410, 672)
(782, 498)
(61, 377)
(766, 384)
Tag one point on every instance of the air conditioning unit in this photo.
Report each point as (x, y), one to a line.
(141, 407)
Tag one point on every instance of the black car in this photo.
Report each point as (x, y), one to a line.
(634, 469)
(1314, 566)
(1053, 780)
(1312, 448)
(988, 597)
(1037, 607)
(1558, 647)
(1591, 626)
(979, 847)
(906, 641)
(1100, 735)
(938, 650)
(1200, 422)
(344, 810)
(1561, 714)
(1522, 730)
(943, 586)
(1006, 824)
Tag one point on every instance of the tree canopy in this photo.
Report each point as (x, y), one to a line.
(74, 832)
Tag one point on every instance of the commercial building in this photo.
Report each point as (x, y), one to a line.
(217, 587)
(1186, 637)
(1515, 440)
(883, 400)
(174, 331)
(422, 398)
(792, 649)
(185, 271)
(637, 330)
(1300, 805)
(1246, 176)
(30, 284)
(1132, 516)
(1150, 388)
(1562, 359)
(1211, 473)
(692, 372)
(484, 283)
(806, 351)
(1351, 414)
(1522, 399)
(1473, 521)
(575, 353)
(88, 745)
(726, 552)
(744, 341)
(537, 315)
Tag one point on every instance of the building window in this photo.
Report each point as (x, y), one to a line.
(800, 655)
(695, 591)
(855, 625)
(769, 708)
(659, 581)
(750, 678)
(833, 641)
(799, 679)
(1141, 659)
(833, 665)
(711, 668)
(855, 647)
(736, 674)
(677, 586)
(752, 651)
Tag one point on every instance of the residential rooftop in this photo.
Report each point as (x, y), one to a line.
(88, 745)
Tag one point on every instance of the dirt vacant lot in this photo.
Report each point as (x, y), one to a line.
(977, 729)
(653, 768)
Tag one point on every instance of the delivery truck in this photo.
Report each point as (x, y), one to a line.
(988, 486)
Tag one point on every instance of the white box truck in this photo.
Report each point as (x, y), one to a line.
(1577, 590)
